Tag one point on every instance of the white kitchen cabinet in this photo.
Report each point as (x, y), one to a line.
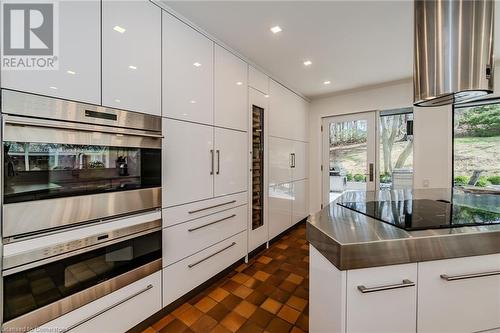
(280, 208)
(185, 239)
(300, 203)
(231, 93)
(187, 164)
(288, 113)
(388, 311)
(300, 169)
(280, 160)
(231, 161)
(131, 56)
(258, 80)
(138, 300)
(468, 304)
(187, 274)
(79, 60)
(188, 72)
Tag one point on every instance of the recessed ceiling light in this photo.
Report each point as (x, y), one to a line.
(327, 82)
(71, 72)
(276, 29)
(196, 64)
(117, 100)
(132, 67)
(239, 83)
(192, 102)
(307, 63)
(119, 29)
(52, 87)
(266, 96)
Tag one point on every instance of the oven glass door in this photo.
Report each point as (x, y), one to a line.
(35, 171)
(34, 288)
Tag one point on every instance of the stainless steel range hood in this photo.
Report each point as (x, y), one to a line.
(453, 51)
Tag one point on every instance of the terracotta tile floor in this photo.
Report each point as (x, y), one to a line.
(269, 294)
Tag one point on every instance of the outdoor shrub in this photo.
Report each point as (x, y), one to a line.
(359, 178)
(348, 177)
(482, 182)
(495, 180)
(461, 180)
(385, 177)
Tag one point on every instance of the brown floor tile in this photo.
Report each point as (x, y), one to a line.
(280, 295)
(163, 322)
(233, 321)
(205, 304)
(261, 276)
(301, 292)
(204, 324)
(297, 303)
(245, 309)
(149, 330)
(264, 260)
(219, 294)
(288, 286)
(218, 312)
(190, 316)
(294, 278)
(256, 298)
(231, 285)
(250, 327)
(241, 267)
(231, 301)
(220, 329)
(282, 246)
(303, 322)
(295, 329)
(289, 314)
(271, 305)
(278, 325)
(266, 289)
(242, 291)
(252, 283)
(181, 309)
(261, 317)
(240, 278)
(176, 326)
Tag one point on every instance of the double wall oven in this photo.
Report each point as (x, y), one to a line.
(81, 193)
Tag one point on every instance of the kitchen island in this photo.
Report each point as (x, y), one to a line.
(370, 276)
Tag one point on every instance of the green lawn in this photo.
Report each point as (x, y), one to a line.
(477, 153)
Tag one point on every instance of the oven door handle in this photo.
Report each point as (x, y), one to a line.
(77, 127)
(114, 305)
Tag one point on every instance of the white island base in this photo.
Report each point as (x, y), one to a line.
(451, 295)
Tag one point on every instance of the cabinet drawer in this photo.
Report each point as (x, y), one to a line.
(179, 214)
(373, 292)
(185, 275)
(185, 239)
(138, 301)
(454, 295)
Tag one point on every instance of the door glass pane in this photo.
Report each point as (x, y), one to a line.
(396, 149)
(348, 156)
(35, 171)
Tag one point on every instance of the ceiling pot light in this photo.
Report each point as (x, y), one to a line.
(119, 29)
(453, 57)
(276, 29)
(196, 64)
(71, 72)
(307, 63)
(327, 82)
(132, 67)
(239, 83)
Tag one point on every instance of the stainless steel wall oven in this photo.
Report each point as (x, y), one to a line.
(49, 276)
(66, 163)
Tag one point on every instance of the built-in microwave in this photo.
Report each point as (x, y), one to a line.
(49, 276)
(67, 163)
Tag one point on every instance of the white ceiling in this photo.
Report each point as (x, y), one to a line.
(350, 43)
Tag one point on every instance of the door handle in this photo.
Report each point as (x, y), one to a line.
(211, 161)
(293, 160)
(218, 161)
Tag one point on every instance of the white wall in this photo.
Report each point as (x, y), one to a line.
(432, 132)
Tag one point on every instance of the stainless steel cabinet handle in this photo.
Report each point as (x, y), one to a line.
(214, 222)
(293, 160)
(210, 207)
(106, 309)
(218, 161)
(406, 283)
(211, 161)
(468, 276)
(210, 256)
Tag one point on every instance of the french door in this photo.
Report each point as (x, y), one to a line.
(348, 154)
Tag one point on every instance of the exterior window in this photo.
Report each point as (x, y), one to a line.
(476, 147)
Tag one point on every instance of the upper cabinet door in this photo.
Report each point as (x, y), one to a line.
(280, 160)
(230, 90)
(188, 72)
(131, 56)
(78, 76)
(258, 80)
(231, 161)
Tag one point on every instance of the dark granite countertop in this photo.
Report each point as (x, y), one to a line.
(352, 240)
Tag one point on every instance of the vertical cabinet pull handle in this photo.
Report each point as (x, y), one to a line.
(294, 160)
(211, 161)
(371, 171)
(218, 161)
